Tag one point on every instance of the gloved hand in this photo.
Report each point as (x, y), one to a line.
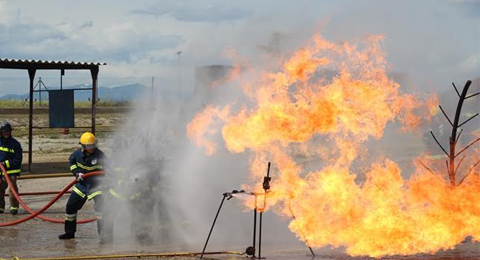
(79, 177)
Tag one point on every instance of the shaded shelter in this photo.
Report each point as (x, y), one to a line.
(33, 65)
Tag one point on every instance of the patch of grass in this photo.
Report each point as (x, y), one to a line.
(14, 103)
(55, 151)
(103, 103)
(23, 104)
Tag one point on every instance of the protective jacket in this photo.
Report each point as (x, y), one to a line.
(83, 162)
(11, 155)
(135, 183)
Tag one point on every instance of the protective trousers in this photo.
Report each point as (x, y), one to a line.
(143, 217)
(3, 187)
(74, 204)
(110, 213)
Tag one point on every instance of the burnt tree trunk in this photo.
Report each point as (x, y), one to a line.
(453, 137)
(452, 167)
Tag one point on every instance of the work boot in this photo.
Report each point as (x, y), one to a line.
(1, 211)
(105, 237)
(105, 240)
(70, 228)
(13, 210)
(144, 239)
(67, 236)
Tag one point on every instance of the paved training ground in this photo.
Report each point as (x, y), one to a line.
(37, 238)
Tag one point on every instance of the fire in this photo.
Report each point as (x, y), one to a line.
(299, 113)
(202, 125)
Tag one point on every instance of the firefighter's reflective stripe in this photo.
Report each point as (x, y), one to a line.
(91, 196)
(70, 217)
(89, 168)
(115, 194)
(6, 149)
(7, 163)
(14, 171)
(79, 192)
(73, 167)
(136, 195)
(13, 208)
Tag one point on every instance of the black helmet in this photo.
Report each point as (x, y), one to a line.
(6, 127)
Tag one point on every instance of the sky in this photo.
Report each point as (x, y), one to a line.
(430, 42)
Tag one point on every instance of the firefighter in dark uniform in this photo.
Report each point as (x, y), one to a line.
(86, 159)
(11, 158)
(137, 192)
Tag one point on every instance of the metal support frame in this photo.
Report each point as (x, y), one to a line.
(31, 75)
(254, 244)
(251, 250)
(32, 66)
(266, 189)
(225, 195)
(39, 90)
(94, 73)
(304, 237)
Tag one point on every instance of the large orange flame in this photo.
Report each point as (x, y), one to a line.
(299, 113)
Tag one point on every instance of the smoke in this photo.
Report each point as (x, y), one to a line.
(315, 127)
(176, 187)
(171, 190)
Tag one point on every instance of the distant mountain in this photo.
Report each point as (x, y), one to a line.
(15, 97)
(119, 93)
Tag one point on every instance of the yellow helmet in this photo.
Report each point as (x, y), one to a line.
(88, 140)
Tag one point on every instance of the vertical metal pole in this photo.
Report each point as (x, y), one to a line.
(254, 225)
(294, 218)
(39, 92)
(266, 188)
(94, 73)
(213, 225)
(260, 237)
(31, 75)
(179, 78)
(151, 93)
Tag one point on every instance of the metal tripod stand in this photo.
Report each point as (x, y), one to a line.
(251, 250)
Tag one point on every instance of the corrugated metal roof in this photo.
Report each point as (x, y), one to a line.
(51, 62)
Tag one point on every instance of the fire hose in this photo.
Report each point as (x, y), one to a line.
(38, 193)
(57, 197)
(63, 191)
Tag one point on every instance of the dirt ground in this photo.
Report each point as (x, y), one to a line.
(52, 147)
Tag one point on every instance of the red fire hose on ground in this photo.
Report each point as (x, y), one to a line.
(36, 193)
(58, 196)
(37, 214)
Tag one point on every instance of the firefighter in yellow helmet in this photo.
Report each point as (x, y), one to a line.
(86, 159)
